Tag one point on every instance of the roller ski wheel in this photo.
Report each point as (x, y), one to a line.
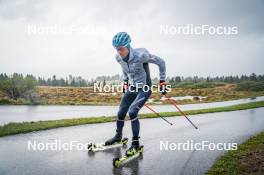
(134, 151)
(117, 162)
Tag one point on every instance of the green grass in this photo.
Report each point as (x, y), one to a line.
(24, 127)
(233, 161)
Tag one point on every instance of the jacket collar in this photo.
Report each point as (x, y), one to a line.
(131, 55)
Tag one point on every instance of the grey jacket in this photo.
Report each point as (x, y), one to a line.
(136, 69)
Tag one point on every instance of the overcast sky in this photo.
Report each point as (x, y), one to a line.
(88, 52)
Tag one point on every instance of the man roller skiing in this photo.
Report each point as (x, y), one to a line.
(136, 86)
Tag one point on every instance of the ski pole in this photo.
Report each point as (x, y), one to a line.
(157, 114)
(174, 103)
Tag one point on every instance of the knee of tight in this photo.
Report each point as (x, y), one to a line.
(121, 115)
(132, 114)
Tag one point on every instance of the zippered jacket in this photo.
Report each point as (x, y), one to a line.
(136, 70)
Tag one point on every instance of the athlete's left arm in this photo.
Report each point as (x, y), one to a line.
(150, 58)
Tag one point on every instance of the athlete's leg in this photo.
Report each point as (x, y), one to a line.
(126, 101)
(138, 103)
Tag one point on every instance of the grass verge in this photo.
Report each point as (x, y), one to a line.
(247, 159)
(24, 127)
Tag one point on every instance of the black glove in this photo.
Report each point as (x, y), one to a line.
(162, 87)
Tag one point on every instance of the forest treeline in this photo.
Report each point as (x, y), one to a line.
(18, 85)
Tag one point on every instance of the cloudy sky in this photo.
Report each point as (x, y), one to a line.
(46, 37)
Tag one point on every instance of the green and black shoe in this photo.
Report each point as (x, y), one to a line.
(134, 148)
(133, 152)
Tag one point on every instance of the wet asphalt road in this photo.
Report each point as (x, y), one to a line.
(225, 127)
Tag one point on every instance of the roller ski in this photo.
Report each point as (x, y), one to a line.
(114, 142)
(133, 152)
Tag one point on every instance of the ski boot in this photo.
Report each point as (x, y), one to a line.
(134, 148)
(116, 139)
(133, 152)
